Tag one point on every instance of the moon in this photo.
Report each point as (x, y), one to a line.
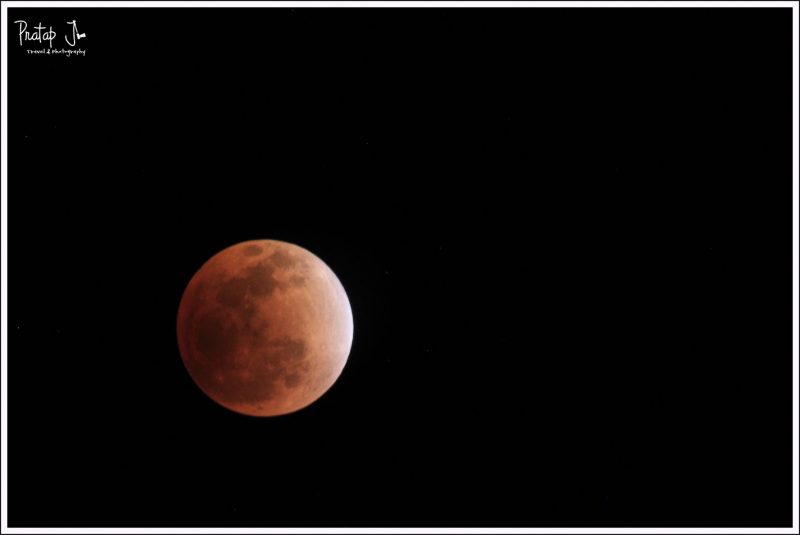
(264, 328)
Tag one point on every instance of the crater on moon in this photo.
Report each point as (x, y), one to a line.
(253, 250)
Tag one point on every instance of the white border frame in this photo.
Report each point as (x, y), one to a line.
(378, 4)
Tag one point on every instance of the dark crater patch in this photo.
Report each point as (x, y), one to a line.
(253, 323)
(291, 380)
(258, 280)
(297, 280)
(288, 355)
(253, 250)
(215, 339)
(232, 292)
(283, 259)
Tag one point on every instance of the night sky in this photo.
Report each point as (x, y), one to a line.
(565, 235)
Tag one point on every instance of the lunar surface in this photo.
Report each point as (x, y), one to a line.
(264, 328)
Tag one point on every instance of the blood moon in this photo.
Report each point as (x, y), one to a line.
(264, 328)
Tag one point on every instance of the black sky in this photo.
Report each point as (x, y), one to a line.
(565, 234)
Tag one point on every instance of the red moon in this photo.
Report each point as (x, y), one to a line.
(264, 328)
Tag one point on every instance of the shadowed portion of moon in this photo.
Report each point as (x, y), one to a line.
(264, 328)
